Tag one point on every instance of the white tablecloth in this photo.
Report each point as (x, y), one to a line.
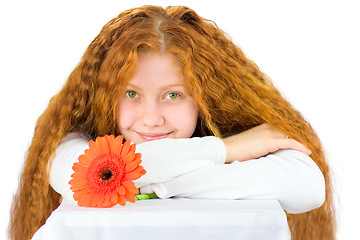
(173, 219)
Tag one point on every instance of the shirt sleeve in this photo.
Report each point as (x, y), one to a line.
(167, 158)
(289, 176)
(67, 153)
(162, 159)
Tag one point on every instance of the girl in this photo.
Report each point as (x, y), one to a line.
(168, 75)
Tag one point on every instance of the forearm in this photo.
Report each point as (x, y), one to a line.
(68, 152)
(288, 176)
(168, 158)
(163, 159)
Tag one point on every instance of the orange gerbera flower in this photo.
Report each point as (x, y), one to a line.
(103, 176)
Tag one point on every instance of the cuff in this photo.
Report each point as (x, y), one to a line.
(219, 148)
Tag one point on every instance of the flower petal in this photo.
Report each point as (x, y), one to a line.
(130, 197)
(89, 155)
(96, 201)
(101, 201)
(132, 176)
(130, 187)
(80, 175)
(138, 170)
(102, 145)
(129, 157)
(121, 190)
(125, 149)
(94, 149)
(107, 199)
(80, 167)
(83, 197)
(118, 145)
(137, 156)
(113, 198)
(133, 147)
(77, 187)
(133, 190)
(132, 165)
(106, 152)
(121, 200)
(110, 139)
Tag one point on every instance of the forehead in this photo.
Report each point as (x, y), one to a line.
(155, 67)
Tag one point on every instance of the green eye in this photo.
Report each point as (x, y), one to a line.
(131, 94)
(173, 95)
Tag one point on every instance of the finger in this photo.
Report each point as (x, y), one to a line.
(294, 145)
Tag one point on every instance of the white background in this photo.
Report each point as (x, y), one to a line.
(310, 49)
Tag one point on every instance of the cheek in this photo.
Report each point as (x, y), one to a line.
(185, 119)
(193, 118)
(125, 117)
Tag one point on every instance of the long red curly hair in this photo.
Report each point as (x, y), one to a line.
(232, 94)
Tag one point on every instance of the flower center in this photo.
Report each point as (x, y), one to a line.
(106, 174)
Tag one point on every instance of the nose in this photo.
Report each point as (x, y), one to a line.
(151, 114)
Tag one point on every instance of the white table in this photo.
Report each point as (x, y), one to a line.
(174, 219)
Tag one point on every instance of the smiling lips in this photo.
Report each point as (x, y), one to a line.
(153, 136)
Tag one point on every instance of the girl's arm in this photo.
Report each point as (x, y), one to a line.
(162, 159)
(67, 153)
(167, 158)
(289, 176)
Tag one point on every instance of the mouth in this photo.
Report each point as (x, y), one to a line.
(153, 136)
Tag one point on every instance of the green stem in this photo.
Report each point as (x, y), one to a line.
(146, 196)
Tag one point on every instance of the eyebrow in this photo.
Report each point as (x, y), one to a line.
(166, 86)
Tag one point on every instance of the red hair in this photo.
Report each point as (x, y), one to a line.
(232, 94)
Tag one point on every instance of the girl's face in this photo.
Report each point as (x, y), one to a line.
(156, 104)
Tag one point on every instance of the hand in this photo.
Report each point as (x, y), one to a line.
(258, 142)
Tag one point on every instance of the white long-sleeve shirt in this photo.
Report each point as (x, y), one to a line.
(194, 168)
